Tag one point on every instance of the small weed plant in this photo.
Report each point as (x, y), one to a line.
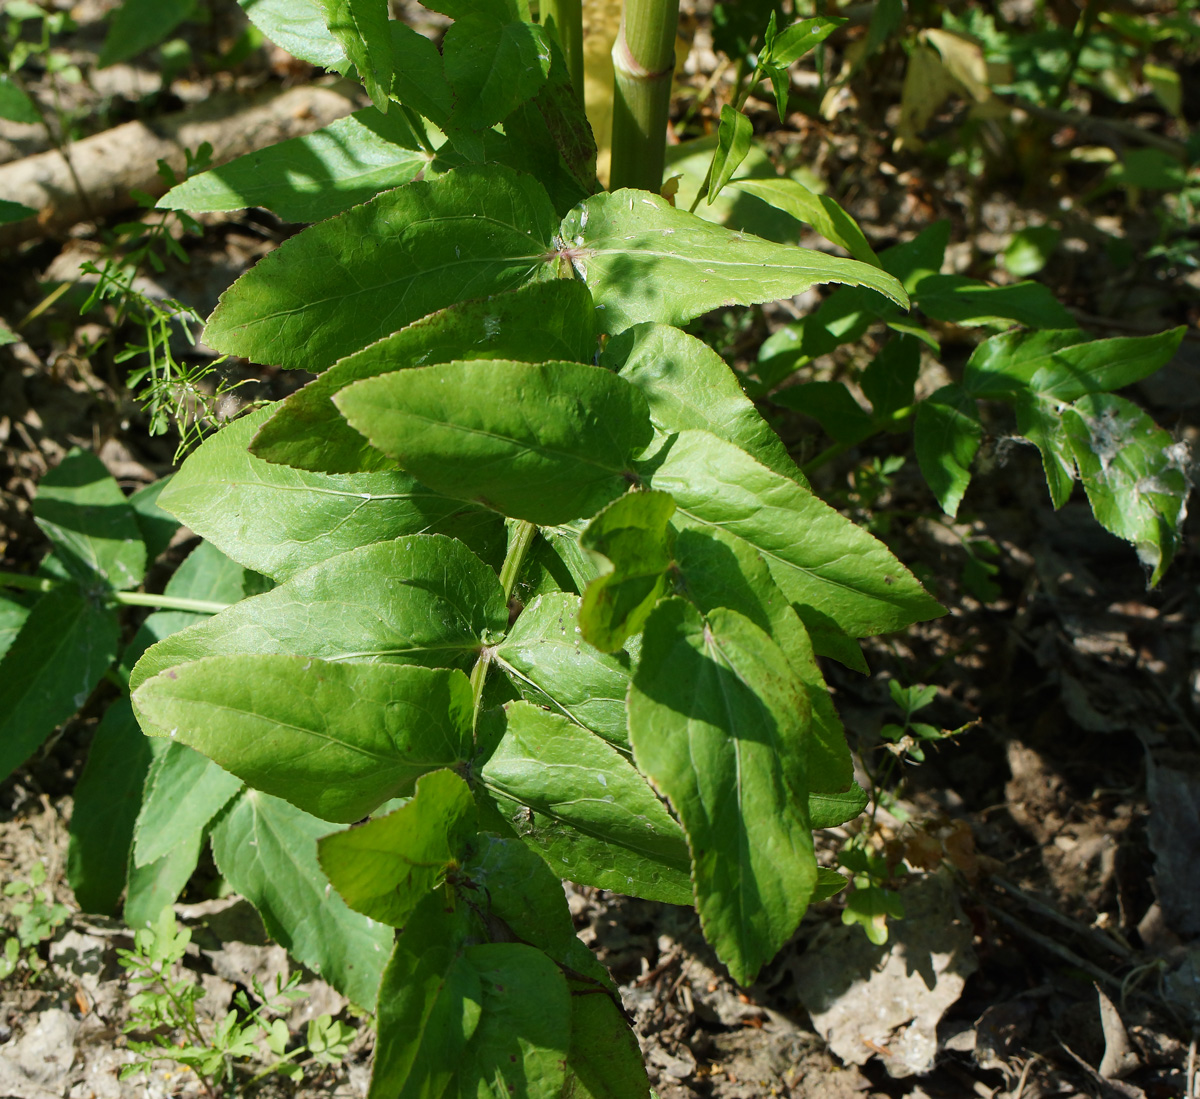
(31, 915)
(523, 587)
(164, 1006)
(174, 393)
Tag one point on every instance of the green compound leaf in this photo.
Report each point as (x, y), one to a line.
(832, 406)
(65, 646)
(419, 81)
(14, 609)
(734, 136)
(793, 42)
(946, 434)
(719, 724)
(830, 810)
(492, 66)
(430, 1002)
(870, 907)
(718, 569)
(299, 27)
(184, 792)
(151, 888)
(9, 212)
(829, 884)
(267, 850)
(646, 261)
(1064, 365)
(424, 599)
(604, 1059)
(633, 540)
(1039, 372)
(846, 314)
(84, 513)
(689, 386)
(1134, 473)
(337, 740)
(489, 1019)
(139, 24)
(520, 1046)
(526, 895)
(361, 26)
(346, 282)
(16, 106)
(157, 527)
(1030, 249)
(107, 798)
(206, 573)
(824, 564)
(547, 660)
(890, 378)
(280, 521)
(539, 322)
(967, 301)
(580, 803)
(819, 211)
(385, 868)
(545, 442)
(312, 177)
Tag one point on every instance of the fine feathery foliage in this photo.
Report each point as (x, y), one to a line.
(523, 586)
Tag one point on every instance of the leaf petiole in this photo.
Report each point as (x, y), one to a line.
(168, 602)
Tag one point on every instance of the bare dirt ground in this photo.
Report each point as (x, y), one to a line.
(1052, 939)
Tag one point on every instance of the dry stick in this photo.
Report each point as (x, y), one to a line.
(111, 164)
(1130, 131)
(1066, 953)
(1119, 325)
(56, 140)
(1097, 938)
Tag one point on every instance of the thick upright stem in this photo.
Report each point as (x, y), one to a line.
(521, 536)
(564, 20)
(643, 64)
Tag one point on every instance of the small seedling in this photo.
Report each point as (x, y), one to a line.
(36, 916)
(906, 738)
(870, 902)
(245, 1037)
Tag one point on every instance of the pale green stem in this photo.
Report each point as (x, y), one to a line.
(520, 539)
(519, 543)
(739, 101)
(25, 583)
(564, 20)
(128, 598)
(643, 64)
(169, 602)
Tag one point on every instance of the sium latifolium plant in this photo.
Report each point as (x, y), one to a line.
(537, 593)
(549, 592)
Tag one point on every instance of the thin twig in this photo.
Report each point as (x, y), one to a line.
(1065, 953)
(1025, 1076)
(1126, 326)
(1098, 938)
(1130, 131)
